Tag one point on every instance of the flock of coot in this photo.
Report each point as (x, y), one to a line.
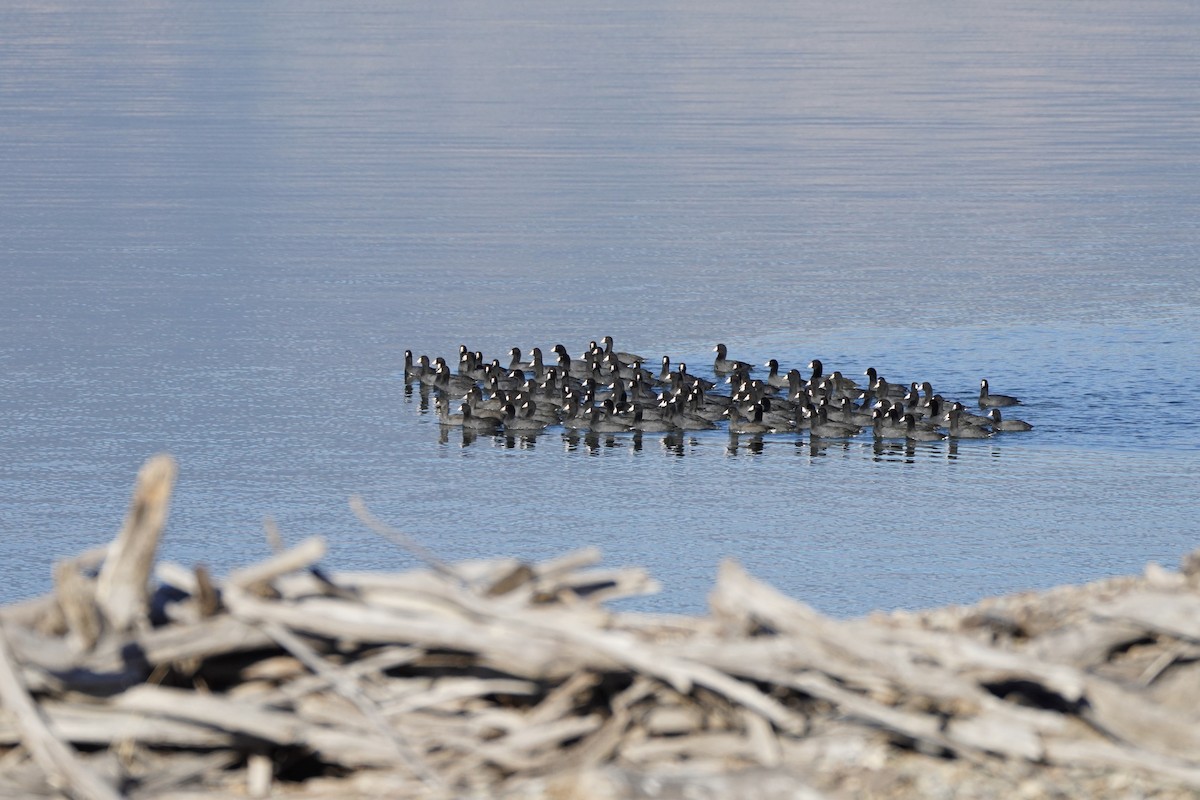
(607, 391)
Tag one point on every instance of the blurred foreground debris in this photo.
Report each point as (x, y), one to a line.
(506, 679)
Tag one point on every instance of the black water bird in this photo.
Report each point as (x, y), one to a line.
(723, 363)
(989, 400)
(1001, 424)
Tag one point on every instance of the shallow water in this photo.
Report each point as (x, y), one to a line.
(223, 226)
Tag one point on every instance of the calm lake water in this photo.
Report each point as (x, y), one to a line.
(223, 224)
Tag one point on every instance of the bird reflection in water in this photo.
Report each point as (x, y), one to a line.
(744, 442)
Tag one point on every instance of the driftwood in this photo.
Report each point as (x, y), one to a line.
(503, 678)
(121, 589)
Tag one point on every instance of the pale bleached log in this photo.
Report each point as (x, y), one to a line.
(918, 727)
(562, 698)
(565, 639)
(972, 660)
(437, 730)
(994, 733)
(31, 613)
(212, 710)
(207, 597)
(76, 596)
(91, 559)
(513, 750)
(593, 579)
(57, 760)
(720, 747)
(1117, 710)
(414, 603)
(448, 691)
(602, 586)
(121, 589)
(170, 573)
(524, 750)
(349, 748)
(601, 746)
(1085, 645)
(174, 771)
(302, 556)
(1173, 613)
(35, 653)
(906, 653)
(681, 674)
(762, 743)
(1179, 651)
(1132, 717)
(744, 601)
(220, 635)
(533, 656)
(346, 684)
(279, 668)
(673, 719)
(260, 773)
(553, 568)
(663, 627)
(1078, 752)
(508, 580)
(984, 718)
(384, 659)
(331, 709)
(100, 725)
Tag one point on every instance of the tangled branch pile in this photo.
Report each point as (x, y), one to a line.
(505, 679)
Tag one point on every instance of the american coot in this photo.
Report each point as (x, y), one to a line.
(847, 412)
(413, 372)
(447, 381)
(917, 434)
(442, 404)
(843, 384)
(683, 418)
(697, 403)
(883, 427)
(470, 365)
(603, 421)
(774, 378)
(686, 380)
(664, 374)
(536, 365)
(960, 429)
(575, 416)
(575, 367)
(515, 361)
(515, 421)
(753, 424)
(989, 400)
(1001, 424)
(779, 414)
(480, 424)
(882, 388)
(797, 388)
(822, 427)
(539, 411)
(428, 372)
(626, 358)
(723, 363)
(641, 423)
